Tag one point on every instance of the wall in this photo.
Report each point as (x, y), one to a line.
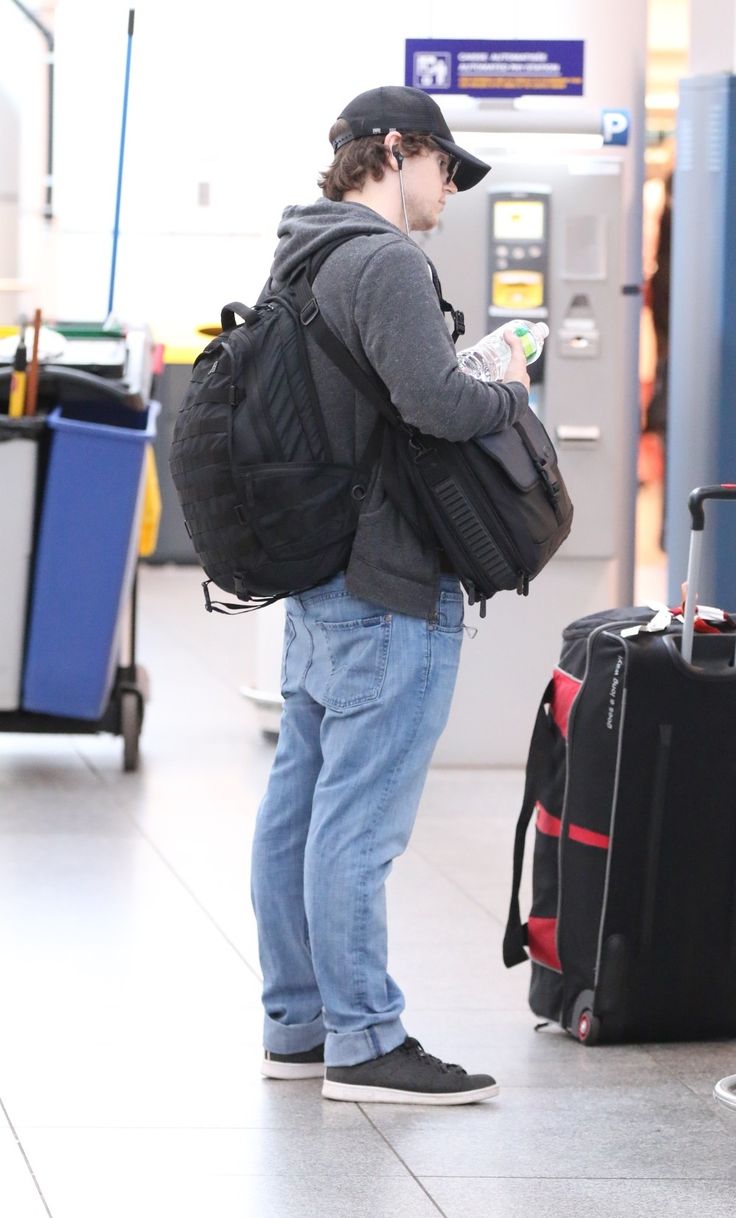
(24, 237)
(239, 106)
(241, 102)
(712, 37)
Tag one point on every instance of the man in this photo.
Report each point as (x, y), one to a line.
(370, 658)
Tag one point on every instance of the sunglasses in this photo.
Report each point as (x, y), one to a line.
(449, 166)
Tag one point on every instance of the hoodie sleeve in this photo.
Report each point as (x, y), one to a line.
(406, 340)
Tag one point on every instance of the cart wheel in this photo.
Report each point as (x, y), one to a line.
(130, 728)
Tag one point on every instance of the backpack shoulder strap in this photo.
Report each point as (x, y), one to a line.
(317, 261)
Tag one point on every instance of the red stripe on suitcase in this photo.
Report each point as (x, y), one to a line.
(546, 822)
(587, 837)
(564, 689)
(552, 826)
(542, 940)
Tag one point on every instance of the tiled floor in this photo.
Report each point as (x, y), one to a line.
(130, 1021)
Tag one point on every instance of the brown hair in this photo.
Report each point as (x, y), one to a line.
(354, 161)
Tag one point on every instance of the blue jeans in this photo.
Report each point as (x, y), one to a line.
(366, 696)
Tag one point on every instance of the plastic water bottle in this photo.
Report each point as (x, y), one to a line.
(489, 359)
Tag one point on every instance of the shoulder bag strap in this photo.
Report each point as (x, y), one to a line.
(458, 317)
(335, 349)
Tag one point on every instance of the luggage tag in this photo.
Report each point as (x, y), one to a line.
(708, 620)
(660, 622)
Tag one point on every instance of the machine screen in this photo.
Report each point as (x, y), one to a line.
(518, 219)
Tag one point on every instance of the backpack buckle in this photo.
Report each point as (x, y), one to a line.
(309, 312)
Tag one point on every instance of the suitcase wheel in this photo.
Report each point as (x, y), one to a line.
(588, 1028)
(585, 1026)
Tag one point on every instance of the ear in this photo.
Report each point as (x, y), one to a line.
(392, 144)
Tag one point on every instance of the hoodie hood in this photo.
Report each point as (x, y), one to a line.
(304, 230)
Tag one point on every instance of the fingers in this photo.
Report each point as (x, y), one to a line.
(516, 370)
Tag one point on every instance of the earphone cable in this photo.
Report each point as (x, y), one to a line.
(403, 200)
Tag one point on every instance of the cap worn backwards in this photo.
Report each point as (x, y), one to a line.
(412, 112)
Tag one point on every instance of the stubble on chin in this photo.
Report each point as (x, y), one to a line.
(424, 223)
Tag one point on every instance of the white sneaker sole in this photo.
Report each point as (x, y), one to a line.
(292, 1070)
(387, 1095)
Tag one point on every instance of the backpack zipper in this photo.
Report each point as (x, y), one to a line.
(317, 414)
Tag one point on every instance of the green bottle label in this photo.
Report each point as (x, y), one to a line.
(528, 345)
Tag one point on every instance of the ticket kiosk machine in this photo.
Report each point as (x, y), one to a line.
(544, 238)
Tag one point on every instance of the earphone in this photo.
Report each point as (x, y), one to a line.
(399, 158)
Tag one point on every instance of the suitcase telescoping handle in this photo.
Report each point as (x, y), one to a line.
(696, 504)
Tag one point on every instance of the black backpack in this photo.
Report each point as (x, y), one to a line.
(271, 514)
(268, 509)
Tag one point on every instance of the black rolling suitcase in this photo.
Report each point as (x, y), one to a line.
(632, 777)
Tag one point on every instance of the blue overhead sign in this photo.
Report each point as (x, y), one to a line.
(495, 69)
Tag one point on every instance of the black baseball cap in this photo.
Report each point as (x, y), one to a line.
(412, 112)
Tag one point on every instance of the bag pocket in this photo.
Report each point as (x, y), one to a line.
(518, 449)
(296, 510)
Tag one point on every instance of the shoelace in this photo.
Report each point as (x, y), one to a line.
(413, 1046)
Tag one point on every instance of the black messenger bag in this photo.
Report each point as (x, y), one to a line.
(498, 504)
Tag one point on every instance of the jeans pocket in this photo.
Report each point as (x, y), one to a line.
(289, 636)
(450, 612)
(352, 668)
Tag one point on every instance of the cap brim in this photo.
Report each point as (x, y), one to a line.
(471, 171)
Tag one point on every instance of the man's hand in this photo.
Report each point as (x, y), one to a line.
(516, 370)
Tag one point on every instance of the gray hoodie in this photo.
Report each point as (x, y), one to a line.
(376, 293)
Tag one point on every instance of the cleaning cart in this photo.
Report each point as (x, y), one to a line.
(75, 483)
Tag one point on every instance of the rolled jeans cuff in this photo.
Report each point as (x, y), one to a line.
(292, 1037)
(351, 1048)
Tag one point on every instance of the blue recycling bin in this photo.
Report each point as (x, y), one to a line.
(85, 556)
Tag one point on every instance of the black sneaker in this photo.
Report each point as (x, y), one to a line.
(407, 1075)
(310, 1064)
